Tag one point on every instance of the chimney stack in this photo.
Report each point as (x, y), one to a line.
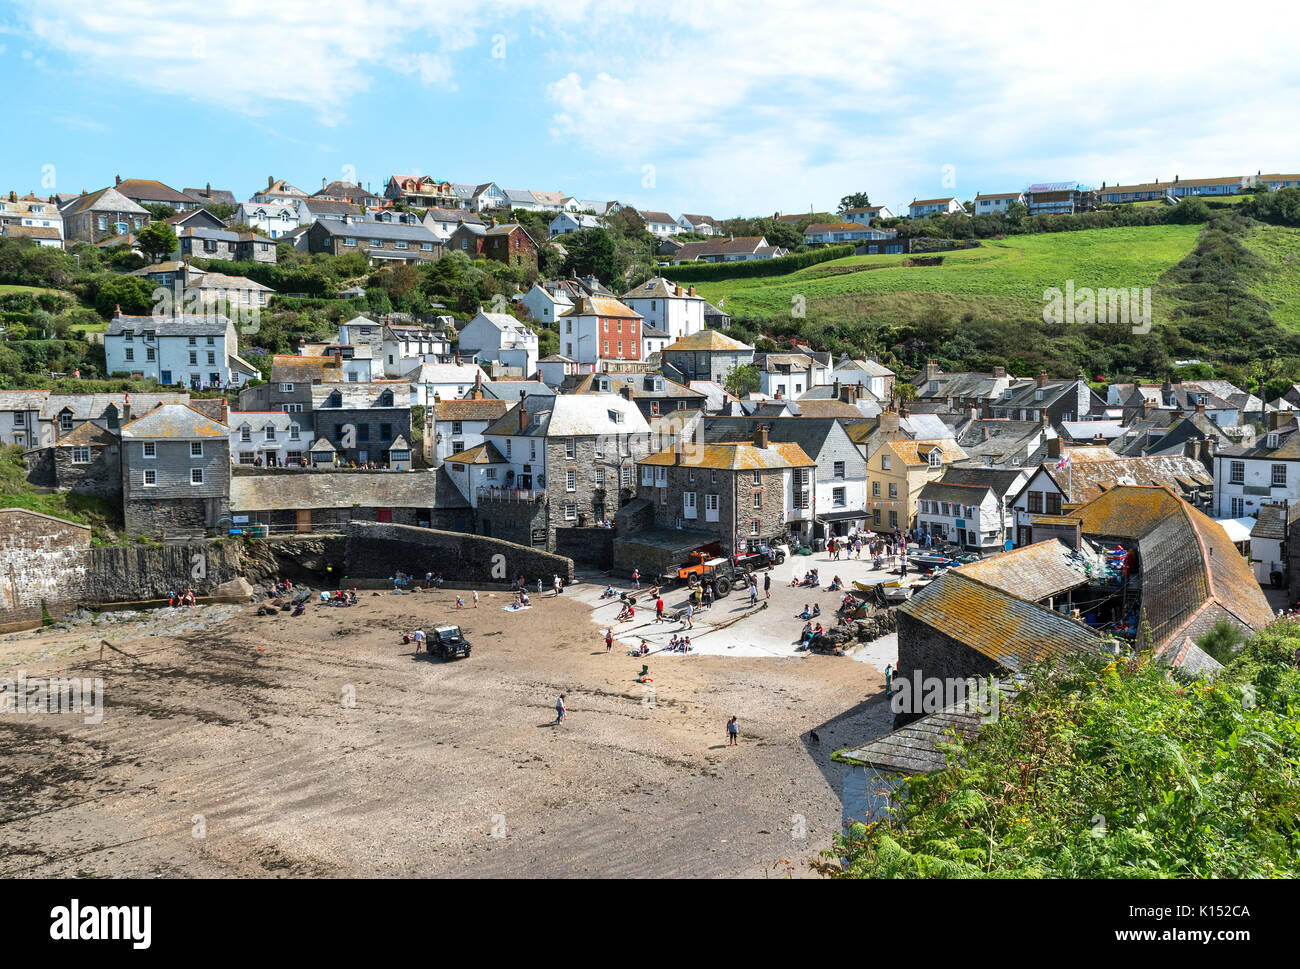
(1042, 378)
(678, 290)
(627, 391)
(889, 419)
(1200, 408)
(117, 180)
(999, 371)
(270, 180)
(690, 291)
(478, 386)
(760, 436)
(931, 369)
(1054, 448)
(523, 413)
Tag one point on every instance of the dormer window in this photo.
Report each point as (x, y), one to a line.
(1271, 441)
(1007, 394)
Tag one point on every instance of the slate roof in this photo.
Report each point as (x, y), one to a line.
(153, 191)
(913, 749)
(89, 434)
(318, 490)
(484, 409)
(718, 247)
(485, 453)
(734, 457)
(571, 415)
(1271, 522)
(708, 340)
(105, 200)
(618, 382)
(178, 422)
(1083, 481)
(292, 368)
(951, 491)
(915, 453)
(656, 287)
(1034, 572)
(187, 324)
(1009, 630)
(379, 230)
(810, 434)
(1191, 572)
(85, 407)
(999, 479)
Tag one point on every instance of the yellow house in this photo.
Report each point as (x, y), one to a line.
(897, 472)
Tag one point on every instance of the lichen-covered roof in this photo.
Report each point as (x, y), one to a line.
(174, 422)
(1009, 630)
(734, 457)
(313, 490)
(485, 453)
(469, 409)
(1034, 572)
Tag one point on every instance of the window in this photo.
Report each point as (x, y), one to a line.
(688, 504)
(489, 473)
(1279, 476)
(130, 354)
(245, 435)
(270, 433)
(192, 341)
(570, 512)
(893, 519)
(194, 358)
(65, 422)
(1238, 507)
(838, 497)
(1238, 472)
(893, 490)
(507, 447)
(286, 388)
(936, 458)
(349, 241)
(1053, 502)
(758, 499)
(456, 428)
(753, 526)
(1035, 502)
(875, 489)
(212, 357)
(81, 455)
(758, 477)
(150, 449)
(600, 477)
(570, 448)
(884, 462)
(196, 476)
(291, 408)
(196, 449)
(838, 471)
(571, 479)
(150, 478)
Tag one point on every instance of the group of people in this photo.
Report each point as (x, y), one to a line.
(340, 598)
(460, 600)
(810, 580)
(521, 599)
(810, 632)
(185, 599)
(679, 645)
(811, 613)
(850, 548)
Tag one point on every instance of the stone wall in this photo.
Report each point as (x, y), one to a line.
(512, 521)
(161, 516)
(40, 467)
(376, 551)
(101, 477)
(922, 647)
(43, 561)
(589, 547)
(141, 572)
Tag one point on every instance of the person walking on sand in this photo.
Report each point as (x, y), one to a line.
(733, 732)
(659, 610)
(690, 613)
(560, 709)
(767, 585)
(609, 641)
(555, 582)
(636, 578)
(460, 602)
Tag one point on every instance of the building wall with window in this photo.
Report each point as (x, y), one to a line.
(1245, 482)
(170, 485)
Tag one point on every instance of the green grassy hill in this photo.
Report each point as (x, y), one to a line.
(1003, 278)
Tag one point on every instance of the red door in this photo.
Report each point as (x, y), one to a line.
(385, 514)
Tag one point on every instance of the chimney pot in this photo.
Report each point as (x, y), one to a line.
(1054, 447)
(117, 179)
(760, 436)
(1042, 378)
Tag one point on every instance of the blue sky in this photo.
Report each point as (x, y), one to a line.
(722, 108)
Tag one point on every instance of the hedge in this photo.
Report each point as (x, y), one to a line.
(712, 272)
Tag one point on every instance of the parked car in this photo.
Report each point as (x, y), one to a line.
(759, 557)
(447, 642)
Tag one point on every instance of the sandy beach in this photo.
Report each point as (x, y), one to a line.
(237, 745)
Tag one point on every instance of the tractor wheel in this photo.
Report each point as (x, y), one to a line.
(721, 587)
(693, 580)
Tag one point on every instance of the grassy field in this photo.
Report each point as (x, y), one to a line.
(1279, 246)
(1001, 278)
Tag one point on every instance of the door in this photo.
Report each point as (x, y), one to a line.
(304, 520)
(384, 514)
(165, 378)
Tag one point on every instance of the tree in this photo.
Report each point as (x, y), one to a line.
(854, 200)
(157, 239)
(742, 379)
(131, 294)
(592, 253)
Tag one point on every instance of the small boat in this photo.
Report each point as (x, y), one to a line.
(897, 593)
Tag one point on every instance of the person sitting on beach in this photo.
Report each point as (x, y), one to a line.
(836, 584)
(795, 581)
(817, 609)
(609, 592)
(685, 644)
(628, 612)
(672, 643)
(807, 612)
(644, 649)
(523, 599)
(817, 631)
(806, 635)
